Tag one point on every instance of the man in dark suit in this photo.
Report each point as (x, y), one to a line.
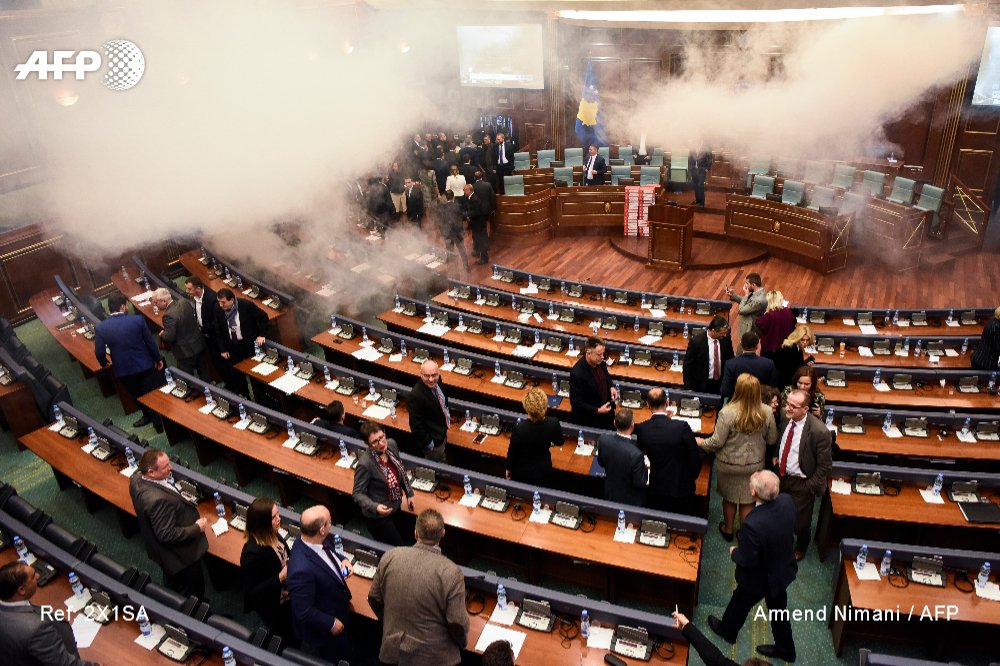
(334, 421)
(707, 353)
(419, 595)
(238, 324)
(487, 157)
(26, 639)
(475, 212)
(674, 458)
(625, 471)
(135, 358)
(803, 461)
(414, 201)
(181, 331)
(750, 361)
(450, 217)
(699, 164)
(485, 192)
(765, 567)
(594, 168)
(171, 527)
(592, 395)
(317, 588)
(503, 163)
(429, 416)
(205, 304)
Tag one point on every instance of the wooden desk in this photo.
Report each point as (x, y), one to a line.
(115, 642)
(972, 611)
(835, 326)
(874, 440)
(907, 516)
(79, 347)
(671, 229)
(853, 357)
(892, 233)
(283, 320)
(485, 343)
(624, 334)
(612, 567)
(129, 288)
(526, 219)
(861, 392)
(598, 209)
(19, 410)
(808, 237)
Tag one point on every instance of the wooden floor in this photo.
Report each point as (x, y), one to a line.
(972, 281)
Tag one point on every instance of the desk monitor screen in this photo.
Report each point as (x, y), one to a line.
(520, 66)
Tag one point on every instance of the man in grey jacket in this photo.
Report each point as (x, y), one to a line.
(181, 331)
(26, 638)
(752, 304)
(419, 594)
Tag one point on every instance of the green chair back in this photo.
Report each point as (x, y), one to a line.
(762, 186)
(620, 172)
(792, 192)
(563, 173)
(573, 157)
(902, 191)
(649, 175)
(544, 157)
(513, 186)
(843, 176)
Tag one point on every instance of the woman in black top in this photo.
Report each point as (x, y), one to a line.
(528, 458)
(380, 485)
(264, 567)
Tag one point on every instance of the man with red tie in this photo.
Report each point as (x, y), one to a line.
(706, 357)
(317, 587)
(802, 461)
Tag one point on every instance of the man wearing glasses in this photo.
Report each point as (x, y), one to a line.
(802, 461)
(592, 395)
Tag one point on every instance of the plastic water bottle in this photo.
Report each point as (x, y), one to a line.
(479, 294)
(501, 597)
(333, 320)
(531, 282)
(643, 301)
(22, 549)
(371, 389)
(635, 325)
(584, 624)
(91, 436)
(579, 438)
(169, 376)
(343, 449)
(395, 302)
(402, 348)
(965, 346)
(129, 457)
(392, 411)
(687, 331)
(992, 383)
(888, 318)
(984, 575)
(145, 628)
(951, 316)
(938, 484)
(536, 502)
(326, 375)
(338, 546)
(552, 309)
(918, 348)
(242, 411)
(513, 303)
(626, 359)
(496, 368)
(461, 320)
(124, 272)
(555, 384)
(829, 417)
(156, 309)
(76, 585)
(468, 416)
(906, 346)
(677, 359)
(239, 283)
(427, 311)
(290, 364)
(604, 294)
(862, 558)
(620, 528)
(58, 415)
(966, 426)
(877, 379)
(364, 333)
(220, 508)
(290, 428)
(538, 340)
(209, 398)
(227, 657)
(895, 318)
(499, 332)
(467, 485)
(886, 565)
(888, 422)
(805, 314)
(571, 348)
(496, 272)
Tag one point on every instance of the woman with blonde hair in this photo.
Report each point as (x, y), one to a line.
(775, 324)
(528, 457)
(792, 354)
(743, 432)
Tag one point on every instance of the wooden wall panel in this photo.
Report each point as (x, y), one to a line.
(974, 167)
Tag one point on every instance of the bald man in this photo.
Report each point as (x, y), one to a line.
(429, 416)
(317, 587)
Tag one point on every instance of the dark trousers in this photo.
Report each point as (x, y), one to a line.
(235, 380)
(140, 383)
(189, 580)
(739, 606)
(480, 241)
(389, 529)
(698, 180)
(688, 505)
(193, 365)
(803, 498)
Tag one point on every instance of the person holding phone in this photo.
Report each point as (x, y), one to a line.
(592, 395)
(752, 304)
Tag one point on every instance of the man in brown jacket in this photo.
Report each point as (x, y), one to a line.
(419, 594)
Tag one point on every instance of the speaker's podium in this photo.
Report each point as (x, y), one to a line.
(670, 231)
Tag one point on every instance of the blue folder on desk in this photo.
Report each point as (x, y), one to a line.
(596, 469)
(555, 401)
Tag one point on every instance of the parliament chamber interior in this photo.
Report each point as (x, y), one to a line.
(403, 195)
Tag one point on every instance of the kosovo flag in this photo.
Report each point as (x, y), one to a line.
(588, 120)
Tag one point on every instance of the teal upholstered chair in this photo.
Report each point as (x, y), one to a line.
(522, 161)
(573, 157)
(853, 203)
(902, 191)
(872, 184)
(620, 172)
(563, 173)
(656, 159)
(843, 176)
(544, 157)
(758, 166)
(822, 197)
(930, 202)
(818, 172)
(792, 192)
(762, 186)
(788, 168)
(649, 175)
(513, 186)
(678, 166)
(604, 152)
(625, 153)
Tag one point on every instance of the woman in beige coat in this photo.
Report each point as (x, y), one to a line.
(744, 430)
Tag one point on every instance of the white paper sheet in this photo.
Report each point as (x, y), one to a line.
(290, 443)
(840, 487)
(505, 616)
(360, 268)
(345, 461)
(657, 313)
(893, 433)
(600, 638)
(376, 412)
(950, 353)
(127, 472)
(627, 535)
(367, 354)
(573, 354)
(650, 339)
(968, 438)
(865, 352)
(694, 424)
(930, 497)
(522, 351)
(289, 384)
(242, 424)
(88, 447)
(395, 358)
(492, 632)
(848, 321)
(868, 329)
(76, 604)
(989, 591)
(220, 527)
(953, 323)
(326, 291)
(151, 641)
(470, 500)
(206, 408)
(869, 572)
(585, 450)
(84, 630)
(265, 369)
(881, 387)
(166, 388)
(542, 516)
(533, 289)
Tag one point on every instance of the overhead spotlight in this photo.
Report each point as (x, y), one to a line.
(67, 98)
(404, 47)
(348, 48)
